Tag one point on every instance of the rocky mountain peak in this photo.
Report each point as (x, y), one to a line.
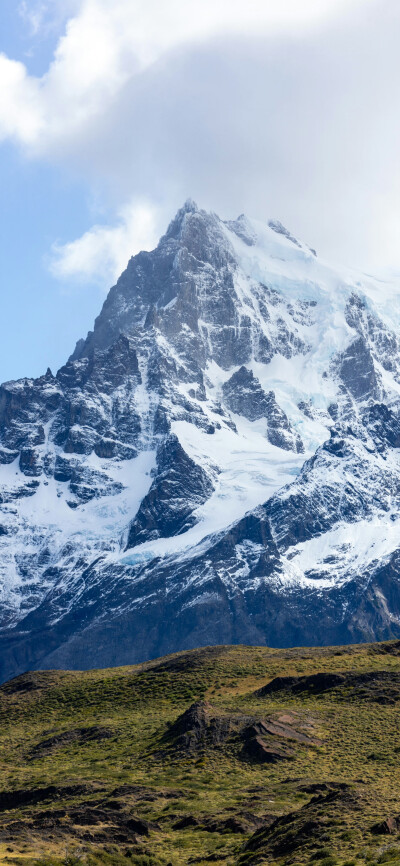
(280, 229)
(175, 227)
(217, 461)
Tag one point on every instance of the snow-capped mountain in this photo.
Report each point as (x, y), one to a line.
(217, 462)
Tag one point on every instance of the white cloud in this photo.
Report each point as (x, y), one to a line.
(286, 109)
(107, 44)
(20, 104)
(103, 252)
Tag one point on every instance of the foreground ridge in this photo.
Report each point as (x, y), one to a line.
(236, 755)
(217, 462)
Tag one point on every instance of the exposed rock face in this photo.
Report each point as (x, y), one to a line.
(179, 487)
(269, 741)
(265, 741)
(245, 822)
(357, 371)
(315, 684)
(78, 736)
(388, 827)
(301, 830)
(16, 799)
(202, 726)
(217, 462)
(258, 750)
(382, 687)
(244, 395)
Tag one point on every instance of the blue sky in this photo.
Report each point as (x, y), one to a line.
(41, 318)
(111, 115)
(40, 204)
(19, 40)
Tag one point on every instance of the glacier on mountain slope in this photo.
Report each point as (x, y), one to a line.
(299, 274)
(298, 512)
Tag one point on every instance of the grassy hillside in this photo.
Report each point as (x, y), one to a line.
(226, 755)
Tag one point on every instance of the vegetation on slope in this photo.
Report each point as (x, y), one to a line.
(230, 755)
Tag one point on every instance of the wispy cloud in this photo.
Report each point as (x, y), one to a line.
(45, 17)
(33, 16)
(103, 252)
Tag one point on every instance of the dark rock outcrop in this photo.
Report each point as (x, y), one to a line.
(244, 395)
(301, 830)
(78, 736)
(269, 741)
(382, 687)
(31, 797)
(388, 827)
(357, 371)
(202, 726)
(179, 487)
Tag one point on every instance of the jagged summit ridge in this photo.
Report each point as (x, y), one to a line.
(216, 462)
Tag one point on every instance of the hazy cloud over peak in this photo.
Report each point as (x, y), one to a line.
(288, 110)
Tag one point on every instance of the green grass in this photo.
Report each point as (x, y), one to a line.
(359, 746)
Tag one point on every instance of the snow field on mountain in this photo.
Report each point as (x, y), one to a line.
(246, 470)
(188, 347)
(338, 556)
(47, 520)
